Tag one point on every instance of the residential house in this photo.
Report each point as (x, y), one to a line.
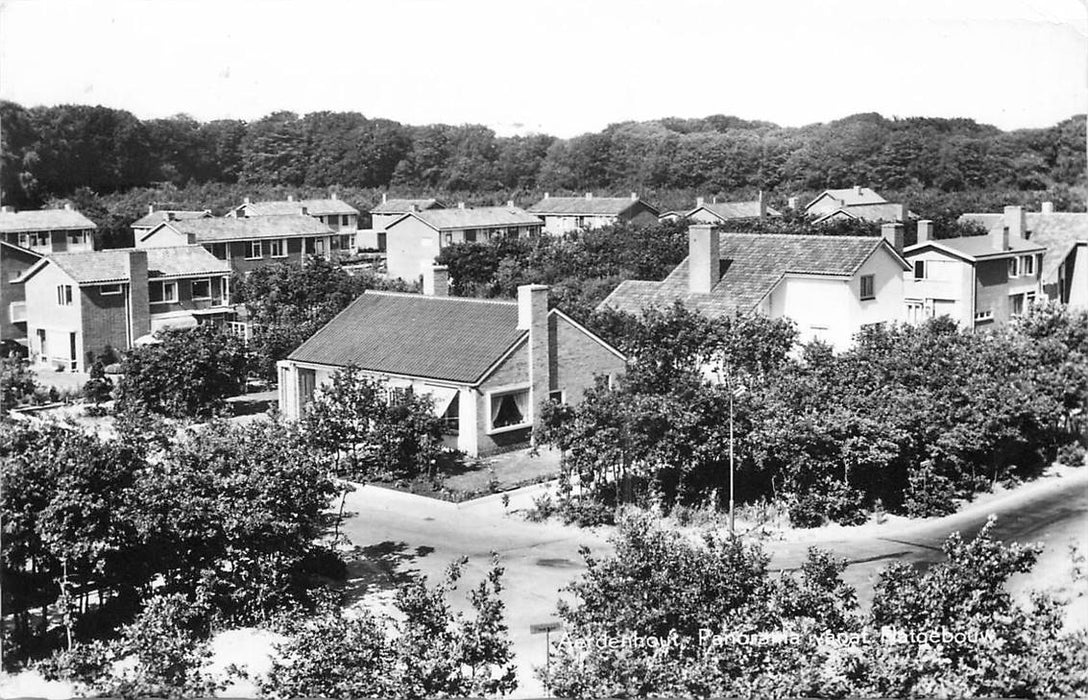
(487, 364)
(1064, 275)
(857, 203)
(565, 214)
(830, 286)
(82, 306)
(715, 212)
(248, 242)
(14, 262)
(154, 217)
(392, 209)
(975, 280)
(47, 231)
(413, 240)
(338, 215)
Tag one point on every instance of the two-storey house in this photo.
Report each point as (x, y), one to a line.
(341, 218)
(154, 217)
(14, 262)
(247, 243)
(413, 240)
(84, 306)
(830, 286)
(975, 280)
(47, 231)
(487, 364)
(1064, 274)
(858, 203)
(388, 211)
(562, 215)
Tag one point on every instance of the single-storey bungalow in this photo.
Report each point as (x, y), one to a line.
(565, 214)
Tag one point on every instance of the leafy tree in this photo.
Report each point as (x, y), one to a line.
(97, 389)
(186, 373)
(427, 651)
(17, 382)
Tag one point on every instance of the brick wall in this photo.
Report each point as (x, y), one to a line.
(105, 323)
(577, 359)
(992, 287)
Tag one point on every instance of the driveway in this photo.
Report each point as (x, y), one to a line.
(404, 533)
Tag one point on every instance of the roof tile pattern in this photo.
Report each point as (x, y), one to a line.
(735, 210)
(1058, 232)
(43, 220)
(478, 217)
(112, 265)
(314, 207)
(403, 206)
(751, 266)
(445, 338)
(157, 217)
(218, 229)
(585, 206)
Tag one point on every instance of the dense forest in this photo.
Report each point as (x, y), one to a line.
(55, 152)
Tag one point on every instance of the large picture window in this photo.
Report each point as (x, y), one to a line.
(509, 410)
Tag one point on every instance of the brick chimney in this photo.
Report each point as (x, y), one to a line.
(436, 281)
(305, 210)
(533, 317)
(139, 311)
(170, 216)
(704, 258)
(893, 234)
(1048, 207)
(762, 206)
(1013, 228)
(245, 200)
(925, 231)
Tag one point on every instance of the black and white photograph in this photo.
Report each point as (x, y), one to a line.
(552, 348)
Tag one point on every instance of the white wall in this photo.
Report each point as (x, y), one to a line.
(947, 288)
(821, 308)
(409, 246)
(58, 322)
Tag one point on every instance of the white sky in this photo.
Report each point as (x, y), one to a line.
(557, 66)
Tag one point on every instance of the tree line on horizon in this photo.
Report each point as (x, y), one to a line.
(51, 152)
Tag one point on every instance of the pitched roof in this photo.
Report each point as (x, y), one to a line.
(403, 206)
(479, 217)
(43, 220)
(871, 211)
(447, 338)
(1058, 232)
(217, 229)
(587, 206)
(848, 196)
(751, 266)
(975, 248)
(157, 217)
(19, 249)
(314, 207)
(734, 210)
(112, 265)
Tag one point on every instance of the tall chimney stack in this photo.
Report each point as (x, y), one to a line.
(1013, 228)
(533, 316)
(762, 206)
(893, 234)
(704, 258)
(925, 231)
(436, 280)
(384, 196)
(634, 196)
(290, 198)
(792, 202)
(699, 201)
(150, 208)
(139, 305)
(589, 195)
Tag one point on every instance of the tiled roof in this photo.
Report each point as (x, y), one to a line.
(403, 206)
(314, 207)
(479, 217)
(157, 217)
(43, 220)
(446, 338)
(751, 266)
(112, 265)
(246, 228)
(735, 210)
(978, 247)
(848, 196)
(1058, 232)
(586, 206)
(874, 211)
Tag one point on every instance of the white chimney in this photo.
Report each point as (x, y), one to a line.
(383, 197)
(893, 234)
(1014, 227)
(290, 198)
(1048, 207)
(546, 195)
(436, 280)
(762, 205)
(698, 201)
(170, 216)
(925, 231)
(792, 202)
(7, 210)
(589, 195)
(150, 208)
(533, 317)
(67, 206)
(634, 196)
(510, 203)
(460, 205)
(245, 200)
(333, 196)
(704, 258)
(857, 190)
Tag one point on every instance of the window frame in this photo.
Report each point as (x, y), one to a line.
(116, 289)
(499, 393)
(64, 295)
(1016, 300)
(192, 289)
(1027, 264)
(273, 244)
(920, 266)
(871, 279)
(1014, 267)
(250, 247)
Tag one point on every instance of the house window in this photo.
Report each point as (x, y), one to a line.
(580, 222)
(1029, 299)
(509, 410)
(239, 329)
(915, 310)
(202, 289)
(109, 289)
(253, 250)
(38, 239)
(319, 246)
(1013, 271)
(451, 419)
(162, 292)
(981, 316)
(868, 290)
(219, 250)
(1016, 304)
(344, 220)
(64, 295)
(556, 396)
(77, 237)
(277, 248)
(470, 235)
(448, 237)
(1027, 264)
(919, 269)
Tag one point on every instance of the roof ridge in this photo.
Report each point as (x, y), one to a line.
(415, 295)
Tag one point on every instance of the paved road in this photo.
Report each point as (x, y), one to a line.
(402, 533)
